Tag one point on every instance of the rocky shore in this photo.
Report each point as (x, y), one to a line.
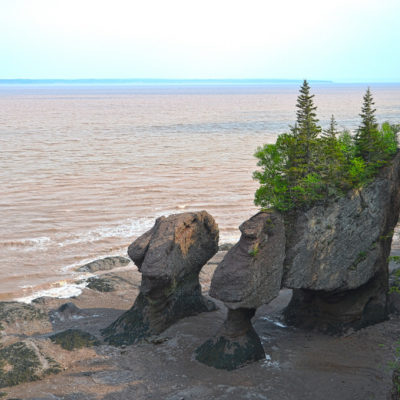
(303, 306)
(75, 365)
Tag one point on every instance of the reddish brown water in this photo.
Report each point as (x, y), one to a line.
(84, 170)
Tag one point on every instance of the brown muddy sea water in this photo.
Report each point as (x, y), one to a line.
(84, 170)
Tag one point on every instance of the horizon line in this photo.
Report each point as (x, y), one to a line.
(32, 81)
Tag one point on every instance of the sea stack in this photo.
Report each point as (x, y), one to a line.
(334, 255)
(337, 256)
(249, 276)
(169, 256)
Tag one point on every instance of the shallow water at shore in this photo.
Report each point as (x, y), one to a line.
(84, 170)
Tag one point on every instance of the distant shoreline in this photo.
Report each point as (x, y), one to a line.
(155, 81)
(182, 82)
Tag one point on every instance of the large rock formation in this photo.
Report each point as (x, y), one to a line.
(337, 256)
(334, 255)
(249, 275)
(170, 257)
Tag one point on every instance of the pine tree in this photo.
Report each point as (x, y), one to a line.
(301, 168)
(332, 131)
(305, 132)
(332, 158)
(367, 132)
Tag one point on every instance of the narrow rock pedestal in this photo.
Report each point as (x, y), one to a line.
(249, 276)
(170, 257)
(235, 345)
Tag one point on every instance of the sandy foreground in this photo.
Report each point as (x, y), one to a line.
(298, 365)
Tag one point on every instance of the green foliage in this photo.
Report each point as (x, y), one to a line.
(332, 131)
(254, 250)
(357, 170)
(306, 166)
(395, 281)
(366, 135)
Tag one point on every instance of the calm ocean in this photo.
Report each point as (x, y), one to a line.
(86, 169)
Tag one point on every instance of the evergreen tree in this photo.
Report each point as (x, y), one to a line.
(331, 157)
(305, 132)
(367, 133)
(331, 132)
(301, 168)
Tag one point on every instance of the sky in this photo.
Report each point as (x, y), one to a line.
(340, 40)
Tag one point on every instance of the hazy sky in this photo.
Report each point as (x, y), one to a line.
(340, 40)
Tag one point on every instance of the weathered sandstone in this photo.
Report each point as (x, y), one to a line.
(170, 257)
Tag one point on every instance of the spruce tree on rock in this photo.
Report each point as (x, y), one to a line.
(331, 158)
(367, 133)
(305, 132)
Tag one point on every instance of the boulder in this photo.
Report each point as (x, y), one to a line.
(104, 264)
(249, 276)
(101, 284)
(72, 339)
(170, 257)
(113, 281)
(67, 311)
(337, 256)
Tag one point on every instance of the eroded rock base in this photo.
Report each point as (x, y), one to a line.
(337, 312)
(151, 315)
(235, 345)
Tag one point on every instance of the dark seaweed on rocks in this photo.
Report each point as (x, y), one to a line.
(104, 264)
(235, 345)
(22, 362)
(100, 285)
(74, 339)
(11, 312)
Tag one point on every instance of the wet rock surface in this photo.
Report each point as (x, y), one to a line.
(104, 264)
(235, 345)
(74, 339)
(67, 311)
(170, 257)
(297, 364)
(24, 362)
(22, 319)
